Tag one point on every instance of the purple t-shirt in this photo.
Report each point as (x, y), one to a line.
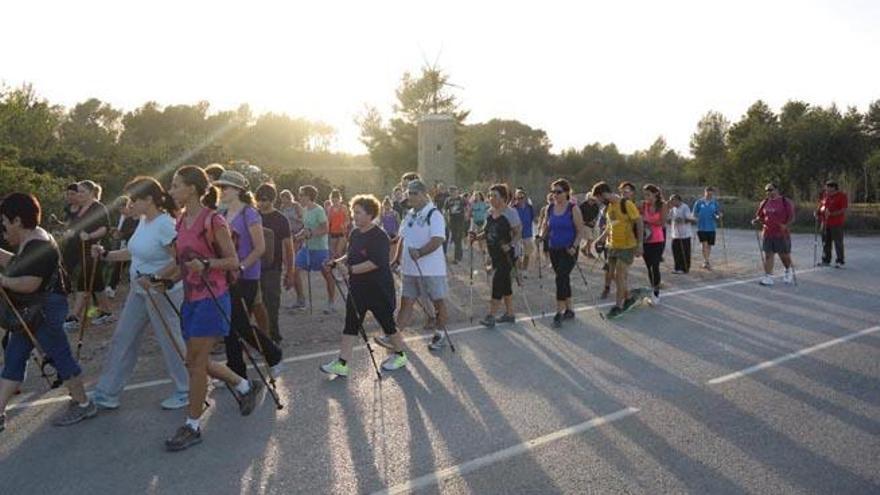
(241, 236)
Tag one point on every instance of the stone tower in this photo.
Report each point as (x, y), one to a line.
(437, 149)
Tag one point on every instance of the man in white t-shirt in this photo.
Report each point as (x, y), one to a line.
(423, 231)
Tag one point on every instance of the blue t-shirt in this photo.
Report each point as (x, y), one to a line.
(705, 212)
(527, 217)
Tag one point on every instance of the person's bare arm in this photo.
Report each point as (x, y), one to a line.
(256, 232)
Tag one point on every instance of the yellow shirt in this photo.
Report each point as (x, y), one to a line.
(620, 225)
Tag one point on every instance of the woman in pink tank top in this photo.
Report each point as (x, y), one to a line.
(205, 253)
(653, 210)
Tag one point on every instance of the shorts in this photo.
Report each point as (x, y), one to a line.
(434, 288)
(202, 318)
(625, 256)
(338, 235)
(779, 245)
(312, 259)
(528, 246)
(706, 236)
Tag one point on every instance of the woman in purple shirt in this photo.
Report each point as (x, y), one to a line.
(246, 225)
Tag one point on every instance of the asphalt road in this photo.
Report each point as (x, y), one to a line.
(644, 404)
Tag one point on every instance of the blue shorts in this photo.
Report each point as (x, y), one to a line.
(312, 259)
(52, 339)
(202, 318)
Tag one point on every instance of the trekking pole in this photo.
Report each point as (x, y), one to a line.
(255, 330)
(167, 329)
(84, 322)
(41, 359)
(349, 299)
(244, 347)
(760, 249)
(445, 330)
(583, 277)
(471, 288)
(309, 274)
(816, 242)
(723, 240)
(519, 284)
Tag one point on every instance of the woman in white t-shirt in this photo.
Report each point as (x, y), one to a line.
(681, 218)
(149, 251)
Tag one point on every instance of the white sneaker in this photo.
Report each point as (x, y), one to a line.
(655, 299)
(330, 310)
(178, 400)
(276, 370)
(766, 280)
(787, 277)
(103, 319)
(110, 293)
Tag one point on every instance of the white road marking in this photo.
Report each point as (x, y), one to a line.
(789, 357)
(325, 354)
(501, 455)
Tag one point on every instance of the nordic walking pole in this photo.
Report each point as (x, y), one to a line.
(471, 274)
(168, 332)
(255, 330)
(349, 299)
(309, 274)
(522, 291)
(445, 330)
(540, 244)
(244, 345)
(816, 242)
(723, 240)
(41, 359)
(89, 288)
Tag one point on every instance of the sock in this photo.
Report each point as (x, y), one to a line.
(342, 361)
(243, 387)
(195, 424)
(87, 403)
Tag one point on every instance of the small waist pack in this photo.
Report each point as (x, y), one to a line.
(29, 307)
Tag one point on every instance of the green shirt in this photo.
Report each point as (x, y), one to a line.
(312, 219)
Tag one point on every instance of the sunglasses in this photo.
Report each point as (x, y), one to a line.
(413, 193)
(558, 191)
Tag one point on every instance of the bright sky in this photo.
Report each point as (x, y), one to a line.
(623, 72)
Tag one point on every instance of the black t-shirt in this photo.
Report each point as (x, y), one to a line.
(278, 224)
(456, 208)
(38, 258)
(440, 200)
(498, 233)
(372, 245)
(92, 219)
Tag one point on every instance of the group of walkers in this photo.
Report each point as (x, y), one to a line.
(208, 261)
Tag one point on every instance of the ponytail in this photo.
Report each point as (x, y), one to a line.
(247, 197)
(211, 198)
(168, 205)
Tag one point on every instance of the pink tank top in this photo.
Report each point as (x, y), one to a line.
(649, 214)
(193, 242)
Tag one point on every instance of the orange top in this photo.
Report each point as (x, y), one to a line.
(337, 217)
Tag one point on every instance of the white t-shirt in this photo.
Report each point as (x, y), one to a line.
(679, 215)
(416, 232)
(148, 245)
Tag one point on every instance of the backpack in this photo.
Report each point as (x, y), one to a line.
(412, 211)
(646, 233)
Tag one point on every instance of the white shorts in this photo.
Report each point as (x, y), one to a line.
(434, 288)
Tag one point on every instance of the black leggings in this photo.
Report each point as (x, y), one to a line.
(246, 290)
(372, 299)
(563, 263)
(502, 283)
(652, 254)
(681, 253)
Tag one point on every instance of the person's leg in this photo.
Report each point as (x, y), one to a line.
(239, 326)
(837, 237)
(620, 278)
(171, 349)
(270, 283)
(826, 245)
(198, 355)
(686, 247)
(678, 255)
(556, 265)
(457, 235)
(331, 286)
(123, 355)
(442, 313)
(257, 339)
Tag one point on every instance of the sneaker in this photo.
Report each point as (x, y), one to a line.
(329, 310)
(103, 318)
(184, 438)
(384, 341)
(335, 367)
(557, 320)
(655, 299)
(766, 280)
(438, 341)
(839, 264)
(102, 400)
(629, 303)
(488, 321)
(178, 400)
(275, 371)
(71, 324)
(249, 400)
(605, 292)
(824, 264)
(677, 272)
(615, 312)
(788, 277)
(297, 306)
(110, 292)
(568, 315)
(506, 319)
(75, 413)
(395, 361)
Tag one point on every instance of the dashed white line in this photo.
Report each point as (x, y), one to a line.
(789, 357)
(489, 459)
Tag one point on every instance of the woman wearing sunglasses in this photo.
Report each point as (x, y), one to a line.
(563, 229)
